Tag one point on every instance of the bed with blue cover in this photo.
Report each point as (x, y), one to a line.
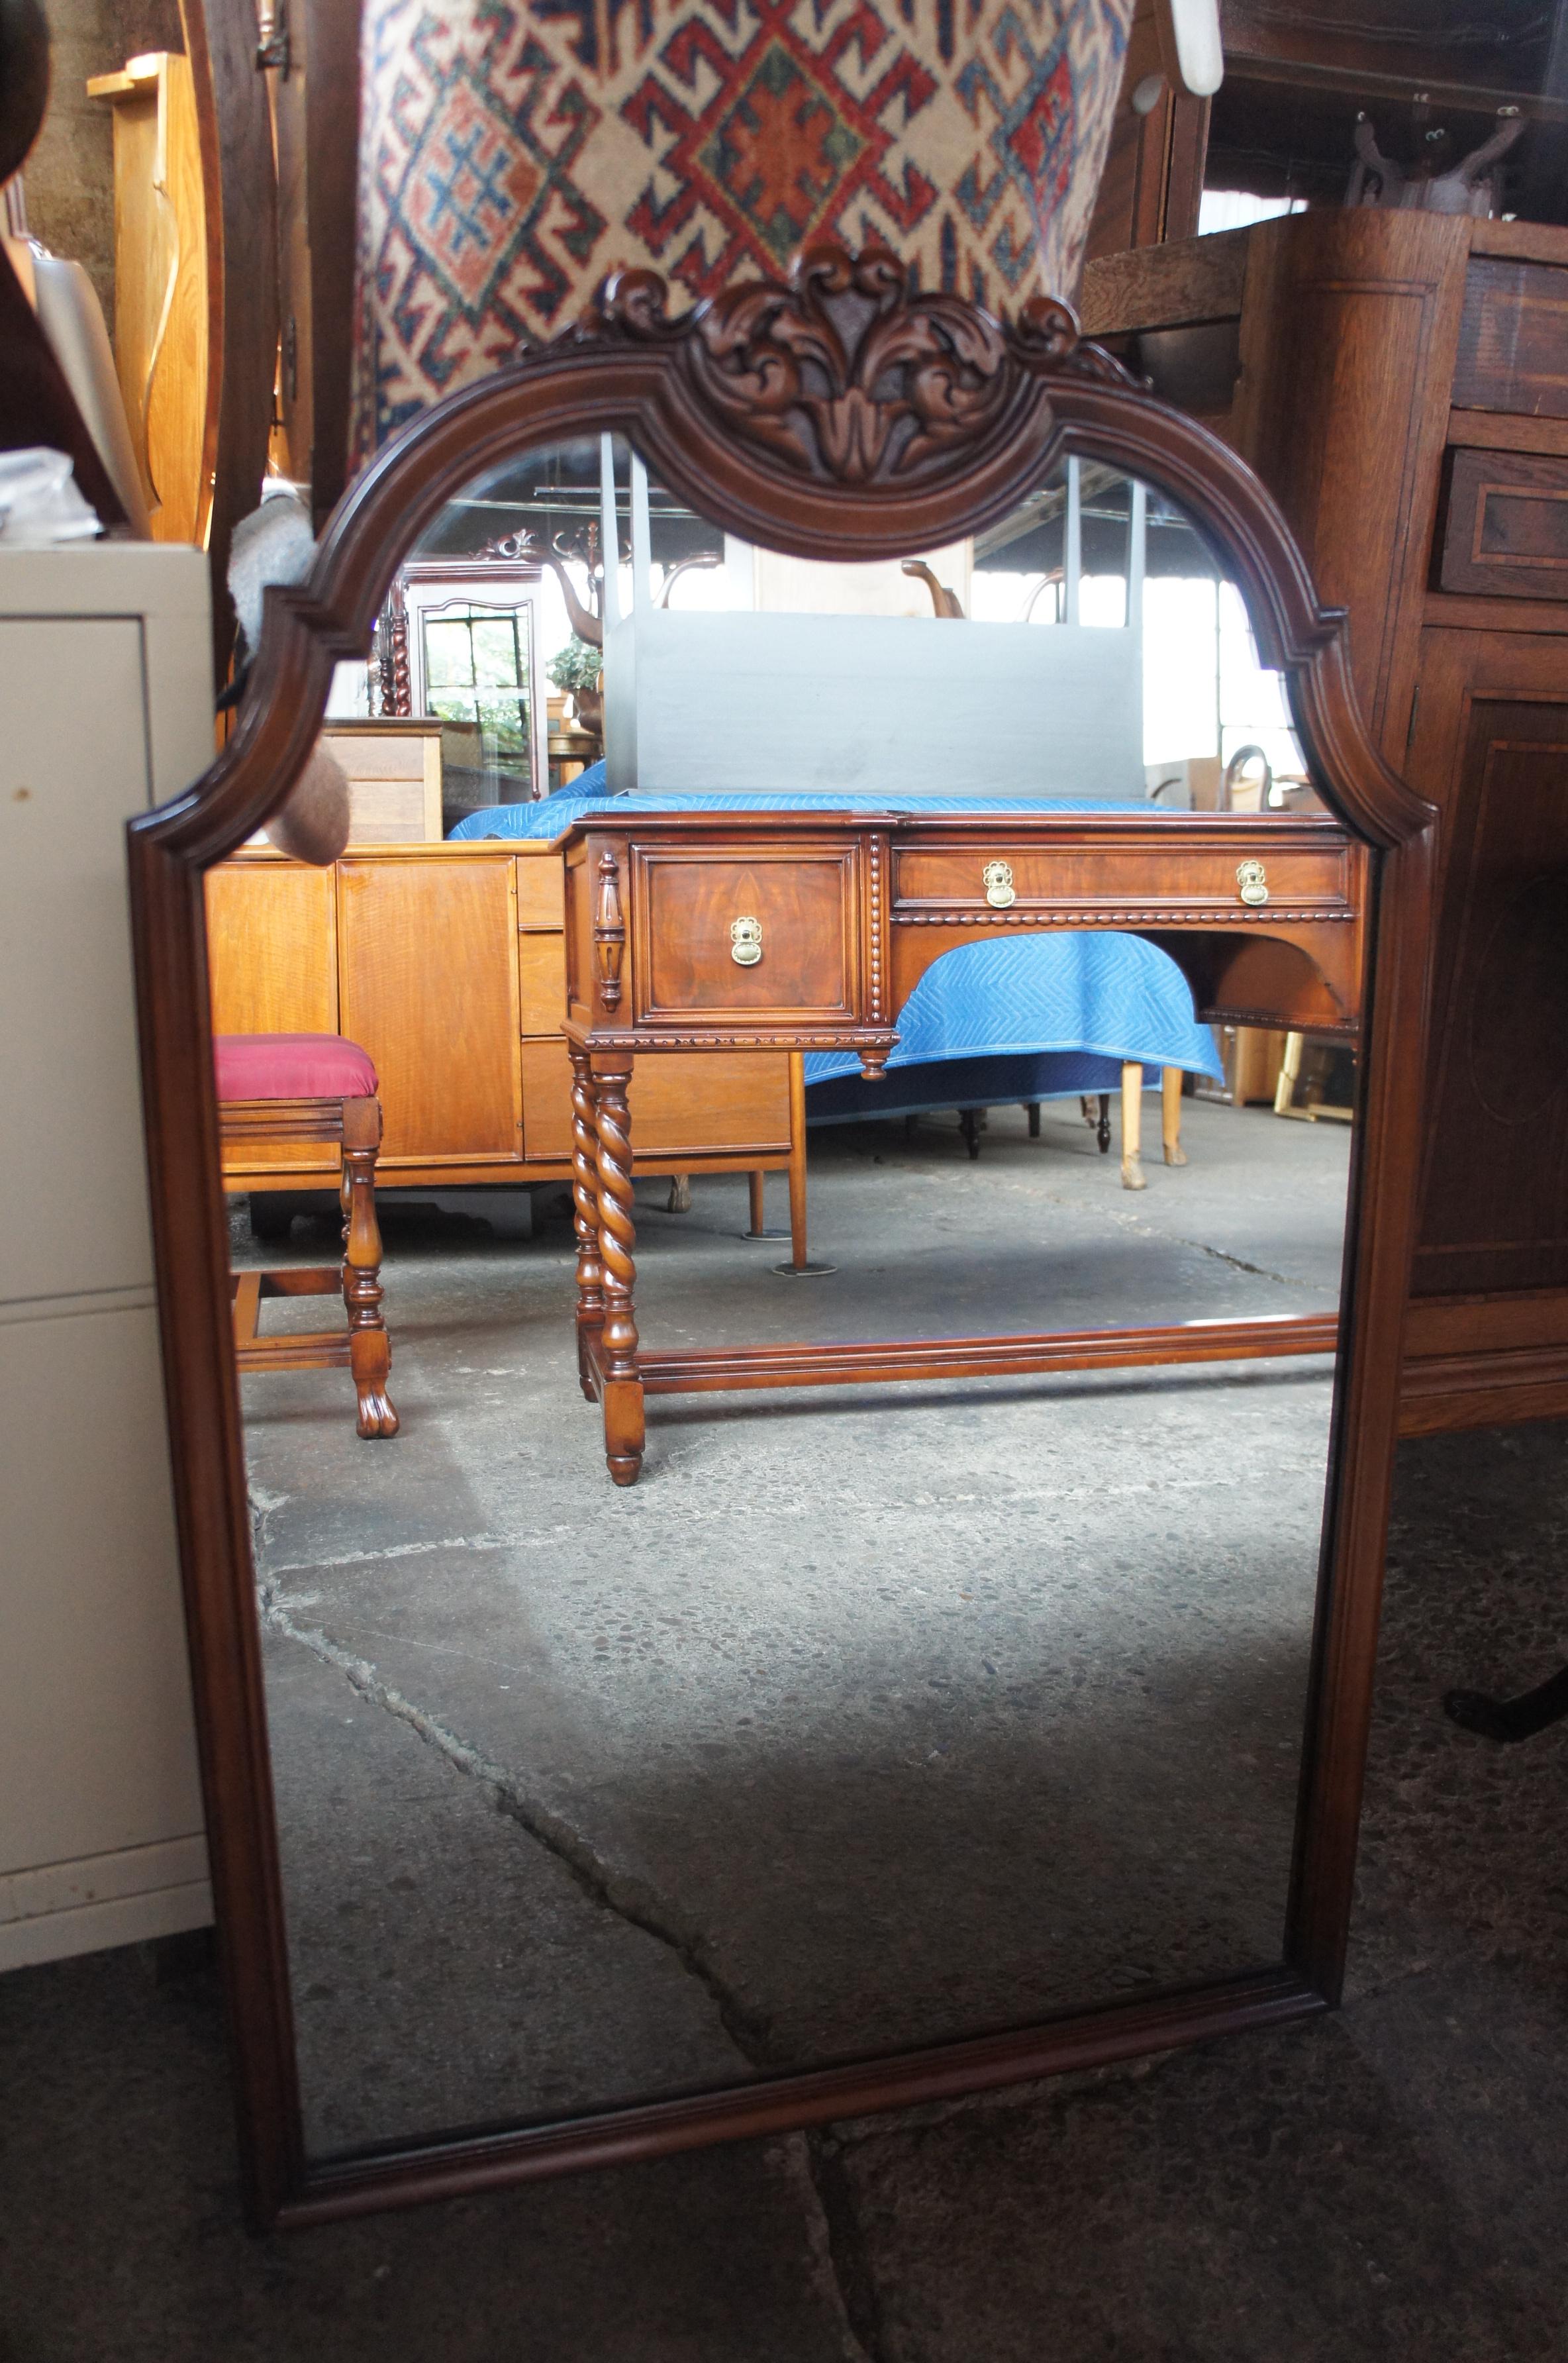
(1027, 1017)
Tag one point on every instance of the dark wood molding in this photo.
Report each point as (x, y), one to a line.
(240, 190)
(830, 462)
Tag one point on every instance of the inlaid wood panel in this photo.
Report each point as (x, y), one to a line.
(802, 900)
(1514, 339)
(1492, 738)
(1505, 531)
(272, 948)
(429, 987)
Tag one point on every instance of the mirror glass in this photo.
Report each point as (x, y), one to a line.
(872, 1716)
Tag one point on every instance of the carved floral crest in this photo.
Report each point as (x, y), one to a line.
(845, 371)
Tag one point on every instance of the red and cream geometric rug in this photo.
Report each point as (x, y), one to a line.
(511, 155)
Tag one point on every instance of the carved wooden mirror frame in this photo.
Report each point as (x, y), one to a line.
(843, 416)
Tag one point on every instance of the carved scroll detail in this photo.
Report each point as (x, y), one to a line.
(847, 371)
(609, 932)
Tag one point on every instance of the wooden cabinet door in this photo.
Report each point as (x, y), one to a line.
(271, 947)
(427, 964)
(1491, 747)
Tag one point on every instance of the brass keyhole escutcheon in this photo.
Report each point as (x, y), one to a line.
(746, 942)
(1252, 882)
(997, 879)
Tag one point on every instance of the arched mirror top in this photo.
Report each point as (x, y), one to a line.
(841, 414)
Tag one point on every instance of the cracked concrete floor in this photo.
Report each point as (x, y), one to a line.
(859, 1721)
(1382, 2186)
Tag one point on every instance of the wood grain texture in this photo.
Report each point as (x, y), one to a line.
(1047, 401)
(1493, 736)
(1350, 326)
(1504, 532)
(689, 901)
(425, 960)
(1514, 339)
(239, 194)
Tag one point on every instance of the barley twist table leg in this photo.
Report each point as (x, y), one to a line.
(585, 1211)
(623, 1386)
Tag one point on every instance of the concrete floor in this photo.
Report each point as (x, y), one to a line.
(862, 1720)
(1389, 2183)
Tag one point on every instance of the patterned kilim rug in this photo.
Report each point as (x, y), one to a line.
(511, 155)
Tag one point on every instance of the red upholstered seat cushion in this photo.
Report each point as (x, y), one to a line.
(291, 1067)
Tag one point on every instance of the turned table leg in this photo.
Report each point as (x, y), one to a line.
(1170, 1115)
(622, 1384)
(585, 1211)
(1133, 1176)
(369, 1348)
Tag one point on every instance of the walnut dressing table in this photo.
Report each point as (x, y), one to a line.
(806, 931)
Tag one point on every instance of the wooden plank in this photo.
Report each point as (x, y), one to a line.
(1165, 286)
(705, 1370)
(1506, 430)
(1447, 612)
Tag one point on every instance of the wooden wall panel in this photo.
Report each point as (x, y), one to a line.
(1492, 738)
(429, 987)
(1349, 330)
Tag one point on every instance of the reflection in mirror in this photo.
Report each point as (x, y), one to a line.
(872, 1714)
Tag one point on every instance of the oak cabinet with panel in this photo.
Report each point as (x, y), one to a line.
(1401, 383)
(446, 963)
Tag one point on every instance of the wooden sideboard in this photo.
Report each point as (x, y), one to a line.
(759, 932)
(446, 962)
(1401, 383)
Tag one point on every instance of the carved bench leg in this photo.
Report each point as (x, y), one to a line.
(623, 1386)
(585, 1210)
(1170, 1115)
(369, 1348)
(679, 1199)
(1133, 1176)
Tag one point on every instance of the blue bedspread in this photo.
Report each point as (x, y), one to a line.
(1028, 1017)
(553, 814)
(1024, 1018)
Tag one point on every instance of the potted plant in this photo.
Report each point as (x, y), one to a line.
(578, 669)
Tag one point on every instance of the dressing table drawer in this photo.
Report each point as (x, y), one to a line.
(771, 933)
(990, 877)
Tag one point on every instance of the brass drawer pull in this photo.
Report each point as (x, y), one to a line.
(746, 942)
(1251, 883)
(997, 879)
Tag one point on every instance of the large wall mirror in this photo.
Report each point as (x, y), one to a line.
(861, 1580)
